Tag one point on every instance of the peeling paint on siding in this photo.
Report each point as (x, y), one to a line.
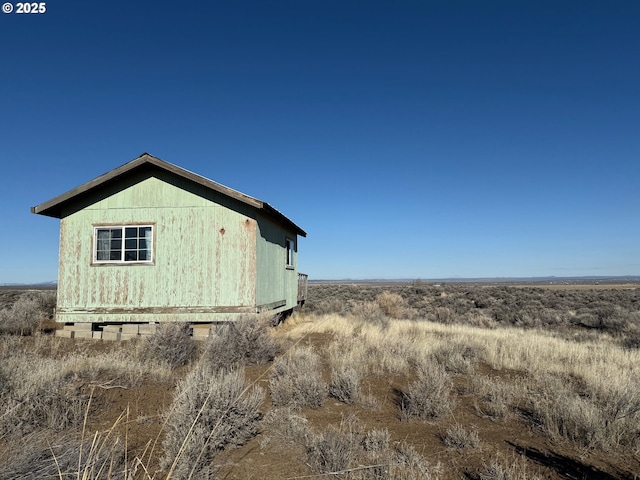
(213, 257)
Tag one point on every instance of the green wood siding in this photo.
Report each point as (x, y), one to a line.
(204, 256)
(274, 279)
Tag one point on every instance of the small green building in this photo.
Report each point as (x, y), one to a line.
(152, 242)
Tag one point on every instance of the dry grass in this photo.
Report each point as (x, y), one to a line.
(600, 363)
(602, 411)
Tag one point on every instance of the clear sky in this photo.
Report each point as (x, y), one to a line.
(410, 139)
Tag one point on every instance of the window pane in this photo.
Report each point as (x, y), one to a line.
(104, 237)
(126, 243)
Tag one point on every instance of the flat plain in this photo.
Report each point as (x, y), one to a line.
(409, 380)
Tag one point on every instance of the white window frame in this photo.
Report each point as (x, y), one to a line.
(123, 250)
(289, 249)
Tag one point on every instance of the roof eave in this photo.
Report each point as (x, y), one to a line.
(54, 207)
(275, 213)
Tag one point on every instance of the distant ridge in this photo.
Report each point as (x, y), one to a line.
(493, 280)
(39, 285)
(490, 280)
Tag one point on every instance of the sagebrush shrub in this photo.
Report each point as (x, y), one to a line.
(408, 464)
(456, 357)
(370, 312)
(345, 384)
(333, 450)
(393, 305)
(493, 397)
(171, 343)
(296, 379)
(328, 306)
(607, 420)
(457, 436)
(502, 469)
(41, 395)
(287, 425)
(376, 440)
(211, 409)
(346, 451)
(27, 313)
(43, 455)
(428, 397)
(243, 341)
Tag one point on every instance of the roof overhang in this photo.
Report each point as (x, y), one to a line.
(56, 206)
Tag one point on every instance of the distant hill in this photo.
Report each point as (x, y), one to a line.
(495, 280)
(37, 286)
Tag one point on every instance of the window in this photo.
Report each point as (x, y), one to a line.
(130, 243)
(290, 246)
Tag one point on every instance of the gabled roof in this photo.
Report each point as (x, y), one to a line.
(55, 206)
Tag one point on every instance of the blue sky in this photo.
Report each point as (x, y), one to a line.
(410, 139)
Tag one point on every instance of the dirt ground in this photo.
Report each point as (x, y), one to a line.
(260, 458)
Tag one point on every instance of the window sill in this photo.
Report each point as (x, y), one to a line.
(120, 264)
